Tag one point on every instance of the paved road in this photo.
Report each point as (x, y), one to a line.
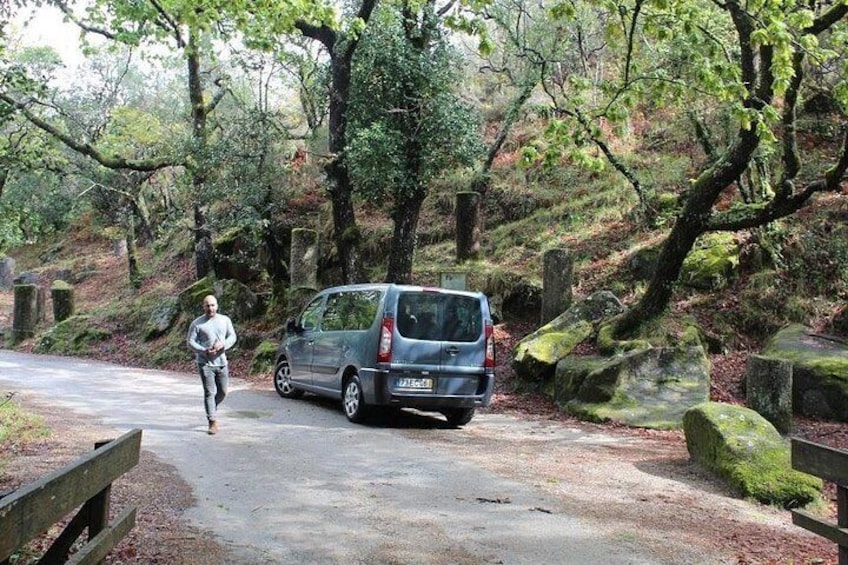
(292, 481)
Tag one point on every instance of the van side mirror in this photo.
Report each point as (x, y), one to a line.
(291, 326)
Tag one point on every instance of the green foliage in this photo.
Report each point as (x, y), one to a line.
(407, 126)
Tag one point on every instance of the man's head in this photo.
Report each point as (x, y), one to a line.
(210, 306)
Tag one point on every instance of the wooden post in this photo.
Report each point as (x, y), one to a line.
(831, 465)
(304, 258)
(468, 226)
(556, 283)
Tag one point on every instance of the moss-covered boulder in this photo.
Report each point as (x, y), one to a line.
(712, 262)
(73, 336)
(235, 299)
(649, 388)
(710, 265)
(235, 256)
(744, 449)
(537, 354)
(819, 371)
(163, 317)
(264, 357)
(191, 298)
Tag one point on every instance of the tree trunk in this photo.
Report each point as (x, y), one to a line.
(132, 255)
(468, 226)
(346, 234)
(202, 244)
(402, 247)
(690, 224)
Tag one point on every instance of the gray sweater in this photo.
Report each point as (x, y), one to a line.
(204, 332)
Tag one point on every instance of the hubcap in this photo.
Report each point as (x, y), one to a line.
(283, 379)
(351, 399)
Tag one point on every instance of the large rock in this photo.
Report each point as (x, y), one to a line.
(163, 317)
(710, 265)
(819, 371)
(649, 388)
(76, 335)
(537, 354)
(235, 299)
(743, 448)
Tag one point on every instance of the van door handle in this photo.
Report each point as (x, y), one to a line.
(451, 350)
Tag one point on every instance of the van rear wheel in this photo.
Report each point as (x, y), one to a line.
(458, 416)
(352, 400)
(283, 383)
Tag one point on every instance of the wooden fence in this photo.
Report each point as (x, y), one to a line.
(34, 508)
(831, 465)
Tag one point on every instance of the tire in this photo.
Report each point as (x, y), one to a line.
(352, 401)
(458, 416)
(283, 383)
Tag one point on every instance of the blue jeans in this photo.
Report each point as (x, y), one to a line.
(215, 381)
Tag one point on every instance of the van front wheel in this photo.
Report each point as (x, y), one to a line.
(458, 416)
(354, 404)
(282, 381)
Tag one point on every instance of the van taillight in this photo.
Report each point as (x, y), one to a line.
(489, 363)
(384, 352)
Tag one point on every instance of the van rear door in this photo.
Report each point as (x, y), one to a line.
(443, 337)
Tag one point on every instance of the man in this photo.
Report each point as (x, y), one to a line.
(209, 336)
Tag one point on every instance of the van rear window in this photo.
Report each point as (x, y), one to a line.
(439, 317)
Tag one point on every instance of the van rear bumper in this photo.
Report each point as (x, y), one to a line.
(451, 391)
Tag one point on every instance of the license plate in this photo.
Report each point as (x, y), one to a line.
(415, 383)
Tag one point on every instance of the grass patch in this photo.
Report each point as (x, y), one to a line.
(17, 427)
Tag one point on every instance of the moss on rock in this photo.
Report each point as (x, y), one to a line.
(743, 448)
(819, 371)
(712, 262)
(73, 336)
(536, 359)
(264, 357)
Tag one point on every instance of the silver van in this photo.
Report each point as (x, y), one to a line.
(391, 345)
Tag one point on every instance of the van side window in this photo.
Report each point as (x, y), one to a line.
(333, 319)
(353, 310)
(310, 315)
(361, 309)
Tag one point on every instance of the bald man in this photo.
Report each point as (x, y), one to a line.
(209, 336)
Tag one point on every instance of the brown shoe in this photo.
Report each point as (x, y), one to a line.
(213, 428)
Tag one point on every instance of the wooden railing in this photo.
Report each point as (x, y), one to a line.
(32, 509)
(831, 465)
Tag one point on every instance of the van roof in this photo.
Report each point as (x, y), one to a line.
(401, 287)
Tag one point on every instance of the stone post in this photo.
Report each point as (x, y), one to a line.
(25, 313)
(468, 226)
(119, 247)
(63, 300)
(304, 258)
(556, 283)
(769, 390)
(7, 273)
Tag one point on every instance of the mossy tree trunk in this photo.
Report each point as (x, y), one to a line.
(468, 226)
